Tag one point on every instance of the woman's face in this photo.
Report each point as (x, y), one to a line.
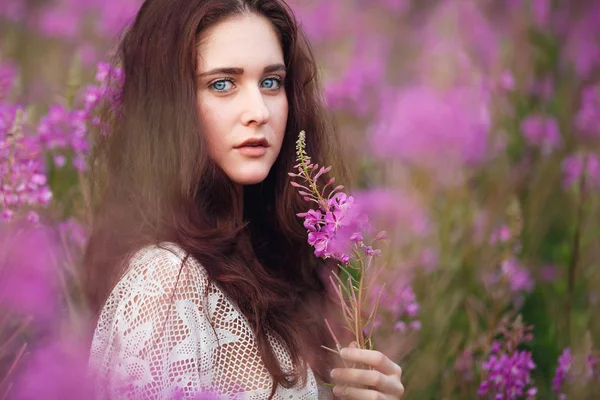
(241, 96)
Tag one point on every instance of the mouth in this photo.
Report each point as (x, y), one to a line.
(255, 147)
(254, 142)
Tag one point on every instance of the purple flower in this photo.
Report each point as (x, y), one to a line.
(321, 20)
(519, 279)
(24, 182)
(541, 131)
(507, 81)
(562, 370)
(582, 47)
(337, 228)
(59, 22)
(29, 271)
(575, 165)
(113, 19)
(56, 369)
(541, 12)
(61, 129)
(313, 220)
(508, 376)
(398, 303)
(320, 241)
(73, 232)
(587, 119)
(501, 235)
(388, 208)
(441, 131)
(353, 91)
(458, 44)
(591, 368)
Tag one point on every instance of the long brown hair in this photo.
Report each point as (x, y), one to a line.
(153, 180)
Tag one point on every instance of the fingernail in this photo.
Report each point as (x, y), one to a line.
(335, 373)
(344, 352)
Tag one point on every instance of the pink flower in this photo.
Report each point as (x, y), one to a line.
(587, 119)
(442, 131)
(575, 165)
(519, 279)
(542, 131)
(55, 370)
(29, 284)
(313, 220)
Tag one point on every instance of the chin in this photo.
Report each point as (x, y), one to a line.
(248, 173)
(253, 181)
(249, 179)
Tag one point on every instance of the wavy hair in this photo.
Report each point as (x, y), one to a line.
(153, 181)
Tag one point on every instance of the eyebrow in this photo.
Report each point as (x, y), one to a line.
(239, 71)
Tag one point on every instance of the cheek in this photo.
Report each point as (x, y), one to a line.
(213, 124)
(282, 116)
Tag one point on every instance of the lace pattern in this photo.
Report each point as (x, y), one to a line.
(154, 337)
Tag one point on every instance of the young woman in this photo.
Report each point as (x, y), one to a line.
(198, 267)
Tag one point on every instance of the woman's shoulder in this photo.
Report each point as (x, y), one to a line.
(165, 263)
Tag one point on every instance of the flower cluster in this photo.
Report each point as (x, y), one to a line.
(541, 131)
(572, 369)
(398, 303)
(66, 131)
(518, 278)
(562, 370)
(426, 127)
(579, 165)
(22, 174)
(587, 119)
(63, 129)
(508, 375)
(336, 227)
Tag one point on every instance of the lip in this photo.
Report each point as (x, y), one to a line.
(253, 147)
(254, 142)
(252, 151)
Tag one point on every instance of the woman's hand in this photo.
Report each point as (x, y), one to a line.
(383, 381)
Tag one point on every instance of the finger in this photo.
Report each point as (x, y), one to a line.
(351, 393)
(364, 377)
(373, 358)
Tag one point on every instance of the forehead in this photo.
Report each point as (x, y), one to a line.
(245, 41)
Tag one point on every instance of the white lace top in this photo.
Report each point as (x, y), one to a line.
(134, 338)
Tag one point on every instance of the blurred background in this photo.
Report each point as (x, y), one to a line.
(473, 128)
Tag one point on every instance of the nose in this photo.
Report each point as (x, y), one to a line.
(255, 108)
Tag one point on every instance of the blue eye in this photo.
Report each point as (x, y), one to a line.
(271, 83)
(222, 85)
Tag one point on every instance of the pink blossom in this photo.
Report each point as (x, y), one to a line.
(587, 119)
(29, 284)
(582, 45)
(575, 165)
(352, 89)
(24, 183)
(542, 131)
(519, 279)
(441, 130)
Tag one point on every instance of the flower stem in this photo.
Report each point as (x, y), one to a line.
(575, 254)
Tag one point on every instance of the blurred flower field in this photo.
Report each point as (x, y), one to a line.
(473, 127)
